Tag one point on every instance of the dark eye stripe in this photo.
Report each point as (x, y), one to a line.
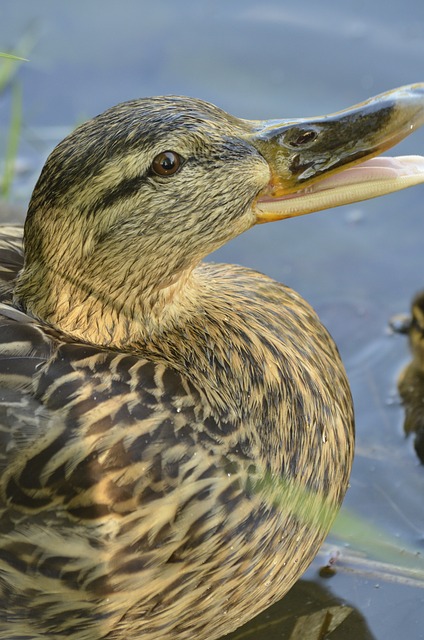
(130, 186)
(125, 189)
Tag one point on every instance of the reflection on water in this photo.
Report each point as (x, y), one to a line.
(308, 612)
(358, 266)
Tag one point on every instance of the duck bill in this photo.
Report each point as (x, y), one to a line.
(328, 161)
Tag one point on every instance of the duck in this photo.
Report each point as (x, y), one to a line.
(411, 379)
(176, 436)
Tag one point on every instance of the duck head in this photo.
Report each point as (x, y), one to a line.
(130, 202)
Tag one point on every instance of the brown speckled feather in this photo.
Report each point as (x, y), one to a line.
(122, 494)
(12, 255)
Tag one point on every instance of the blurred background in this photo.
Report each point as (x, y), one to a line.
(358, 265)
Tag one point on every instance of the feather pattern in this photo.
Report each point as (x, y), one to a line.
(124, 496)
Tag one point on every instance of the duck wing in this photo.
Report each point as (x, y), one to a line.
(11, 256)
(106, 485)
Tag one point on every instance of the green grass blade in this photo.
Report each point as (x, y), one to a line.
(11, 62)
(375, 544)
(12, 141)
(10, 56)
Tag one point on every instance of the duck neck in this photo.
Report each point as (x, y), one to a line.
(104, 307)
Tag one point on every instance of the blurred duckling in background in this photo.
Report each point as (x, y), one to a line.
(176, 436)
(411, 381)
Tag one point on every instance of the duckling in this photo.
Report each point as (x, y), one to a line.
(411, 380)
(176, 436)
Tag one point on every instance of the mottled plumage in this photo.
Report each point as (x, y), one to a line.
(175, 436)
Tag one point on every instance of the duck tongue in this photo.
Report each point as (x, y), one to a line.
(369, 179)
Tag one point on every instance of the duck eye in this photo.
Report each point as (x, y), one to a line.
(166, 163)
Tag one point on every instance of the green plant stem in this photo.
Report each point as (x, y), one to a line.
(12, 141)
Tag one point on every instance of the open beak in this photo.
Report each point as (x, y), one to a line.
(328, 161)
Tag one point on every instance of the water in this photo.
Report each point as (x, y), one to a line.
(358, 265)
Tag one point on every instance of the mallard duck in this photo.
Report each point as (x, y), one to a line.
(176, 436)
